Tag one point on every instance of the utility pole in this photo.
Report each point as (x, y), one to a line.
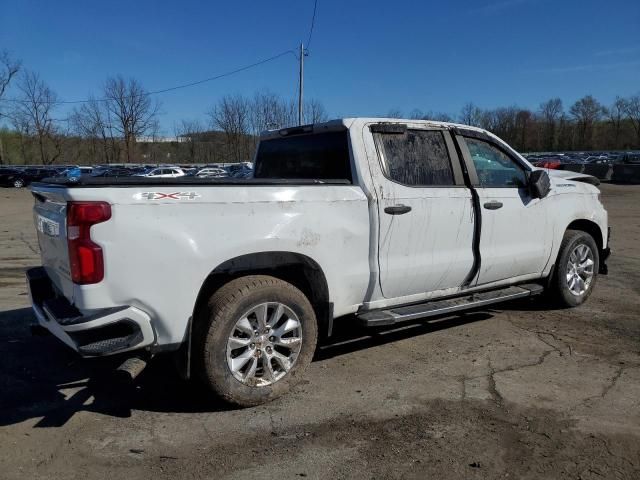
(301, 92)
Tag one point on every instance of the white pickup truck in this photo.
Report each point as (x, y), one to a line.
(372, 220)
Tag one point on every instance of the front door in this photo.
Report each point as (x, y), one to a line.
(513, 240)
(425, 213)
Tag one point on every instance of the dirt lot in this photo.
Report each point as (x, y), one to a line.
(521, 391)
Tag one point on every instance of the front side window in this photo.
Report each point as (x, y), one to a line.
(494, 167)
(416, 158)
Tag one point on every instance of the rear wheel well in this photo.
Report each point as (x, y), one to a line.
(296, 269)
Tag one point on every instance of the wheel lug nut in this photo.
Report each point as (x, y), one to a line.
(252, 345)
(269, 350)
(272, 339)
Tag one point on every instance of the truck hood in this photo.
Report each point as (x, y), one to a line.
(569, 175)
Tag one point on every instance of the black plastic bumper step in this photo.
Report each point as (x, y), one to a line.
(110, 345)
(378, 318)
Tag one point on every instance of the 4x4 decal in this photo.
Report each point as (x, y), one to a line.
(166, 196)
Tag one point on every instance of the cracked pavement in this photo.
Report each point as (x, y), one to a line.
(518, 391)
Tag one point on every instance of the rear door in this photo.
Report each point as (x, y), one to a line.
(514, 233)
(425, 212)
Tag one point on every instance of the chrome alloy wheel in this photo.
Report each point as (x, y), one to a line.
(580, 269)
(264, 344)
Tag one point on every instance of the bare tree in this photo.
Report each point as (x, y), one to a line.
(394, 113)
(133, 110)
(188, 133)
(471, 115)
(417, 114)
(93, 122)
(314, 112)
(231, 115)
(586, 112)
(269, 111)
(551, 112)
(9, 68)
(615, 117)
(33, 114)
(632, 110)
(524, 119)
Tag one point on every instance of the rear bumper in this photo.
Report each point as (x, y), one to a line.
(91, 334)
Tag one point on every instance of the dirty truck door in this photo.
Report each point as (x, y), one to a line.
(513, 241)
(425, 211)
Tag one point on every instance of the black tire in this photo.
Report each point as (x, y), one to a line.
(18, 183)
(218, 321)
(559, 286)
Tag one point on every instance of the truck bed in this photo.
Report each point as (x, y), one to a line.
(88, 181)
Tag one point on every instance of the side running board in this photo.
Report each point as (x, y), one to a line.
(378, 318)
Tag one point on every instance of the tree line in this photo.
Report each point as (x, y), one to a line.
(587, 125)
(121, 124)
(109, 127)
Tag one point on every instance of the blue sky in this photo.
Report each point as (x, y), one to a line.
(366, 57)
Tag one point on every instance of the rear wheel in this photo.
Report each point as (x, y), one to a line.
(576, 269)
(256, 339)
(18, 183)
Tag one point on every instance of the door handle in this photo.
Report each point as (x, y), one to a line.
(397, 209)
(493, 205)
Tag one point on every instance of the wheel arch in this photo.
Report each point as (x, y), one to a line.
(590, 227)
(300, 270)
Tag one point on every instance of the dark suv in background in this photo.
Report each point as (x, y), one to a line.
(18, 178)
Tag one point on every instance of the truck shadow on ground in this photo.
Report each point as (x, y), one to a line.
(42, 380)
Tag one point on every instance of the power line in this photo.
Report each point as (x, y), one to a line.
(170, 89)
(313, 22)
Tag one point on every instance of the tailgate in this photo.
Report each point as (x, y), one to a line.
(50, 218)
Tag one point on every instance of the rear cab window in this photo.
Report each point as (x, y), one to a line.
(321, 156)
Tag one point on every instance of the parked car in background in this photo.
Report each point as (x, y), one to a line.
(35, 174)
(163, 172)
(631, 158)
(112, 172)
(209, 172)
(11, 177)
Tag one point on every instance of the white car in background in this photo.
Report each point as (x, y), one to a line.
(212, 172)
(163, 172)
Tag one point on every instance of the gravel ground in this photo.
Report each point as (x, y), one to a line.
(519, 391)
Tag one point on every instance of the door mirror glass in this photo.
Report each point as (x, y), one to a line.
(539, 183)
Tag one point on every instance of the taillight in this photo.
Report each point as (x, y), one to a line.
(85, 257)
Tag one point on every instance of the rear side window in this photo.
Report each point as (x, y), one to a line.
(416, 158)
(322, 156)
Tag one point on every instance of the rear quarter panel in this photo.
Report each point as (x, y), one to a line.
(158, 252)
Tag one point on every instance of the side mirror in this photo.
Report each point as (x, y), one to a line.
(539, 183)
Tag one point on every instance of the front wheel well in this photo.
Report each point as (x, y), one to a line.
(297, 269)
(589, 227)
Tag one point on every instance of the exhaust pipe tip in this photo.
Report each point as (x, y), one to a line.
(130, 369)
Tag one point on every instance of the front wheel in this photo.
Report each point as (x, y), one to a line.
(255, 340)
(576, 268)
(18, 183)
